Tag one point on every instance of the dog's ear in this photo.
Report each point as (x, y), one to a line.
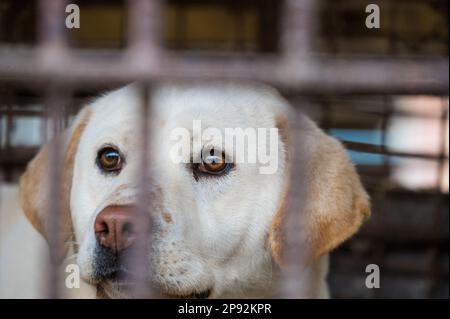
(335, 203)
(35, 189)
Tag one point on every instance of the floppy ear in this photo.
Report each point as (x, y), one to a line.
(335, 202)
(35, 187)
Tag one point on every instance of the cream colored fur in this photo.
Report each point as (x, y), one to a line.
(223, 233)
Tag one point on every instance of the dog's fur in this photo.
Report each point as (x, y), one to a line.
(223, 234)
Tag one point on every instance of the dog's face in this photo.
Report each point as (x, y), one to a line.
(198, 221)
(207, 224)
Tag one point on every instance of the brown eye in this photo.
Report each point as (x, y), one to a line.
(109, 159)
(213, 164)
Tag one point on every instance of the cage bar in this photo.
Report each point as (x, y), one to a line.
(54, 100)
(315, 76)
(53, 66)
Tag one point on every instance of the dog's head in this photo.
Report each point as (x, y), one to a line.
(213, 218)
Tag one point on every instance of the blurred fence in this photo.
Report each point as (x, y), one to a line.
(354, 82)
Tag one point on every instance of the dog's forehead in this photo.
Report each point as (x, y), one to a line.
(178, 106)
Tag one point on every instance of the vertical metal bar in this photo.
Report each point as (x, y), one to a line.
(298, 32)
(140, 256)
(438, 211)
(54, 101)
(52, 41)
(380, 254)
(144, 30)
(140, 263)
(5, 175)
(444, 140)
(296, 254)
(143, 51)
(51, 24)
(9, 119)
(299, 28)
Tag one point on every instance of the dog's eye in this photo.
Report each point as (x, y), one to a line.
(214, 165)
(109, 159)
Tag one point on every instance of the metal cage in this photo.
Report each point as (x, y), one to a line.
(408, 234)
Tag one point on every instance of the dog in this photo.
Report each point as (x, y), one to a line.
(206, 226)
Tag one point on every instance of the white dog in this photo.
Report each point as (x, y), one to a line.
(214, 223)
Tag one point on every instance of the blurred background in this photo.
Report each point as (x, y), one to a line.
(398, 142)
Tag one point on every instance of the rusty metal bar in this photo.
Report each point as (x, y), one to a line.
(54, 101)
(299, 29)
(51, 23)
(438, 212)
(51, 52)
(141, 263)
(142, 55)
(144, 30)
(292, 283)
(313, 76)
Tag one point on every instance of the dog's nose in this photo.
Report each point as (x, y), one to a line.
(118, 227)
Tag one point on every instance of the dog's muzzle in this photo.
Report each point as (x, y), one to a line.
(121, 255)
(121, 232)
